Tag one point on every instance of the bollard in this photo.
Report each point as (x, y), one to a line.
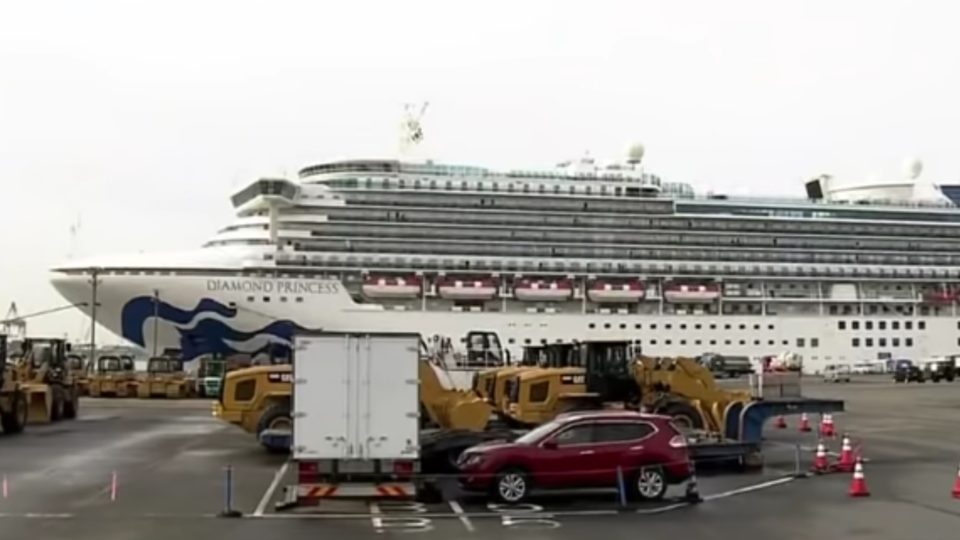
(621, 489)
(228, 510)
(6, 487)
(692, 494)
(113, 486)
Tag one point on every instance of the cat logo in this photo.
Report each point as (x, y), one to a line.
(280, 377)
(573, 379)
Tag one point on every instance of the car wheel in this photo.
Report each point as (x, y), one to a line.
(512, 486)
(650, 484)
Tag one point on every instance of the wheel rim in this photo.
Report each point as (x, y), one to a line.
(649, 484)
(512, 487)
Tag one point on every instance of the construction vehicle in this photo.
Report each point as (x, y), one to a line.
(113, 377)
(209, 376)
(257, 399)
(50, 385)
(78, 366)
(13, 400)
(164, 378)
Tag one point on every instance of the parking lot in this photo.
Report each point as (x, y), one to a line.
(136, 469)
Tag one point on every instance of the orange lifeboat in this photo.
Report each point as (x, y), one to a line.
(543, 290)
(616, 292)
(691, 293)
(467, 289)
(391, 287)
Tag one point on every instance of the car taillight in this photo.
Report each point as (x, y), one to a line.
(678, 441)
(403, 468)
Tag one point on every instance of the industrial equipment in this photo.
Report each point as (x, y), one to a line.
(113, 377)
(164, 378)
(50, 385)
(209, 376)
(13, 401)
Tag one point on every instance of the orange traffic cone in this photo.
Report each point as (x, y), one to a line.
(781, 422)
(804, 423)
(826, 426)
(956, 486)
(858, 485)
(821, 463)
(847, 461)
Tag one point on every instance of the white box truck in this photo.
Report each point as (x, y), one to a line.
(355, 415)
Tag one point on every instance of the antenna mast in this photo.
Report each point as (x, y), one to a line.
(411, 128)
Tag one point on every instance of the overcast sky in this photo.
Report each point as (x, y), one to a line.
(140, 118)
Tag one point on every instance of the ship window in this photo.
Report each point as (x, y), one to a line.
(855, 325)
(842, 325)
(868, 325)
(769, 327)
(637, 326)
(713, 326)
(908, 342)
(250, 299)
(756, 342)
(869, 342)
(908, 325)
(683, 342)
(896, 341)
(653, 326)
(882, 341)
(653, 342)
(299, 299)
(668, 326)
(882, 325)
(771, 342)
(572, 189)
(667, 342)
(556, 188)
(526, 188)
(756, 327)
(743, 327)
(801, 342)
(785, 342)
(496, 186)
(921, 325)
(726, 342)
(713, 342)
(726, 327)
(697, 326)
(526, 341)
(606, 325)
(855, 342)
(591, 325)
(623, 326)
(683, 326)
(743, 342)
(814, 342)
(283, 298)
(697, 342)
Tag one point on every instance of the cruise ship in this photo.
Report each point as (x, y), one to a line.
(582, 250)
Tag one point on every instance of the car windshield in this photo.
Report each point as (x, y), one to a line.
(533, 436)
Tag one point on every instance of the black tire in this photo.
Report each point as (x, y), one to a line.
(511, 486)
(649, 484)
(57, 405)
(16, 419)
(72, 405)
(276, 416)
(684, 415)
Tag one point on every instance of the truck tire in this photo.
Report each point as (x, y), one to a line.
(72, 405)
(276, 416)
(14, 420)
(512, 485)
(683, 414)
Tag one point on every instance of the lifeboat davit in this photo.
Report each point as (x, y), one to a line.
(691, 293)
(467, 289)
(616, 292)
(543, 290)
(392, 287)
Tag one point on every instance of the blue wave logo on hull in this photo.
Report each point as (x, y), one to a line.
(207, 335)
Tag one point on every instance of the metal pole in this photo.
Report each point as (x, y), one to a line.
(156, 319)
(94, 273)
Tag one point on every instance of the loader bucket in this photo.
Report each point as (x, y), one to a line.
(39, 404)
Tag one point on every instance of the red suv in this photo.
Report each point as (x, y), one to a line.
(580, 450)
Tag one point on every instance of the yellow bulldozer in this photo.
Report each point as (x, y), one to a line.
(13, 400)
(165, 378)
(51, 387)
(113, 377)
(611, 373)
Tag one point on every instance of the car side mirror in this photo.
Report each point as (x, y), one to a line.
(550, 445)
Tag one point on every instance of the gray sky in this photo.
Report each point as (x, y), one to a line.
(142, 117)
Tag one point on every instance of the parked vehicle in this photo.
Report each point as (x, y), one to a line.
(906, 371)
(726, 366)
(837, 373)
(936, 370)
(582, 450)
(868, 368)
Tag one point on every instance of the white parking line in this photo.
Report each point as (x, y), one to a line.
(458, 510)
(268, 495)
(748, 489)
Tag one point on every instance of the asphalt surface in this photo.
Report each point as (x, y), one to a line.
(169, 459)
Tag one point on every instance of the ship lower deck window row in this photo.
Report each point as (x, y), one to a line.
(882, 325)
(882, 342)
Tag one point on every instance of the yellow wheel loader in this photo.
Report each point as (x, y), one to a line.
(113, 377)
(165, 378)
(51, 387)
(13, 400)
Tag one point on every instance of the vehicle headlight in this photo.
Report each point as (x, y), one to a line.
(471, 460)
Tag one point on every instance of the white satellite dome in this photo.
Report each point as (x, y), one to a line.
(912, 167)
(635, 153)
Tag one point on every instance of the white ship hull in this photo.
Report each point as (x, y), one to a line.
(202, 314)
